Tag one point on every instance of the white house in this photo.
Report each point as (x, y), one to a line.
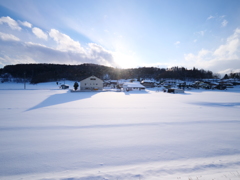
(133, 86)
(91, 83)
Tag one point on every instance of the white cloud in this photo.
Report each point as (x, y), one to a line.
(218, 18)
(39, 33)
(224, 23)
(100, 54)
(11, 23)
(176, 43)
(202, 54)
(225, 57)
(8, 37)
(229, 50)
(65, 43)
(26, 24)
(36, 44)
(6, 60)
(29, 52)
(210, 17)
(227, 71)
(201, 32)
(59, 48)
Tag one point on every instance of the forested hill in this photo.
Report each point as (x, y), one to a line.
(36, 73)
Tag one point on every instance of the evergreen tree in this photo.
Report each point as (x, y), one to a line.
(226, 77)
(75, 86)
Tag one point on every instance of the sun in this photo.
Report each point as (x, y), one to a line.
(124, 60)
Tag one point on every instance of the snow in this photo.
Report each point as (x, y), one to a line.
(50, 133)
(148, 80)
(133, 84)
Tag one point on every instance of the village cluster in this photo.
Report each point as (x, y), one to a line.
(94, 83)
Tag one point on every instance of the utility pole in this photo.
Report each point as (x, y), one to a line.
(24, 80)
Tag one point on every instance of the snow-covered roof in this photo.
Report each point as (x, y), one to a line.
(123, 80)
(91, 77)
(114, 81)
(147, 81)
(133, 84)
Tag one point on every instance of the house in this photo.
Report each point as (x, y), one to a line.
(148, 83)
(133, 86)
(111, 83)
(91, 83)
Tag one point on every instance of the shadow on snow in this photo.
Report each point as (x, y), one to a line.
(219, 104)
(62, 98)
(107, 126)
(135, 92)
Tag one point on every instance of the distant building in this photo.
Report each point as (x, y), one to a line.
(91, 83)
(133, 86)
(148, 83)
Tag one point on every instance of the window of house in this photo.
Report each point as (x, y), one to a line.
(92, 78)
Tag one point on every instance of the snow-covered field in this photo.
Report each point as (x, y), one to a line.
(48, 133)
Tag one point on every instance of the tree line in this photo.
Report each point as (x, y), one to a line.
(36, 73)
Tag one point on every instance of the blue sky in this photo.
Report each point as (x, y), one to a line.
(132, 33)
